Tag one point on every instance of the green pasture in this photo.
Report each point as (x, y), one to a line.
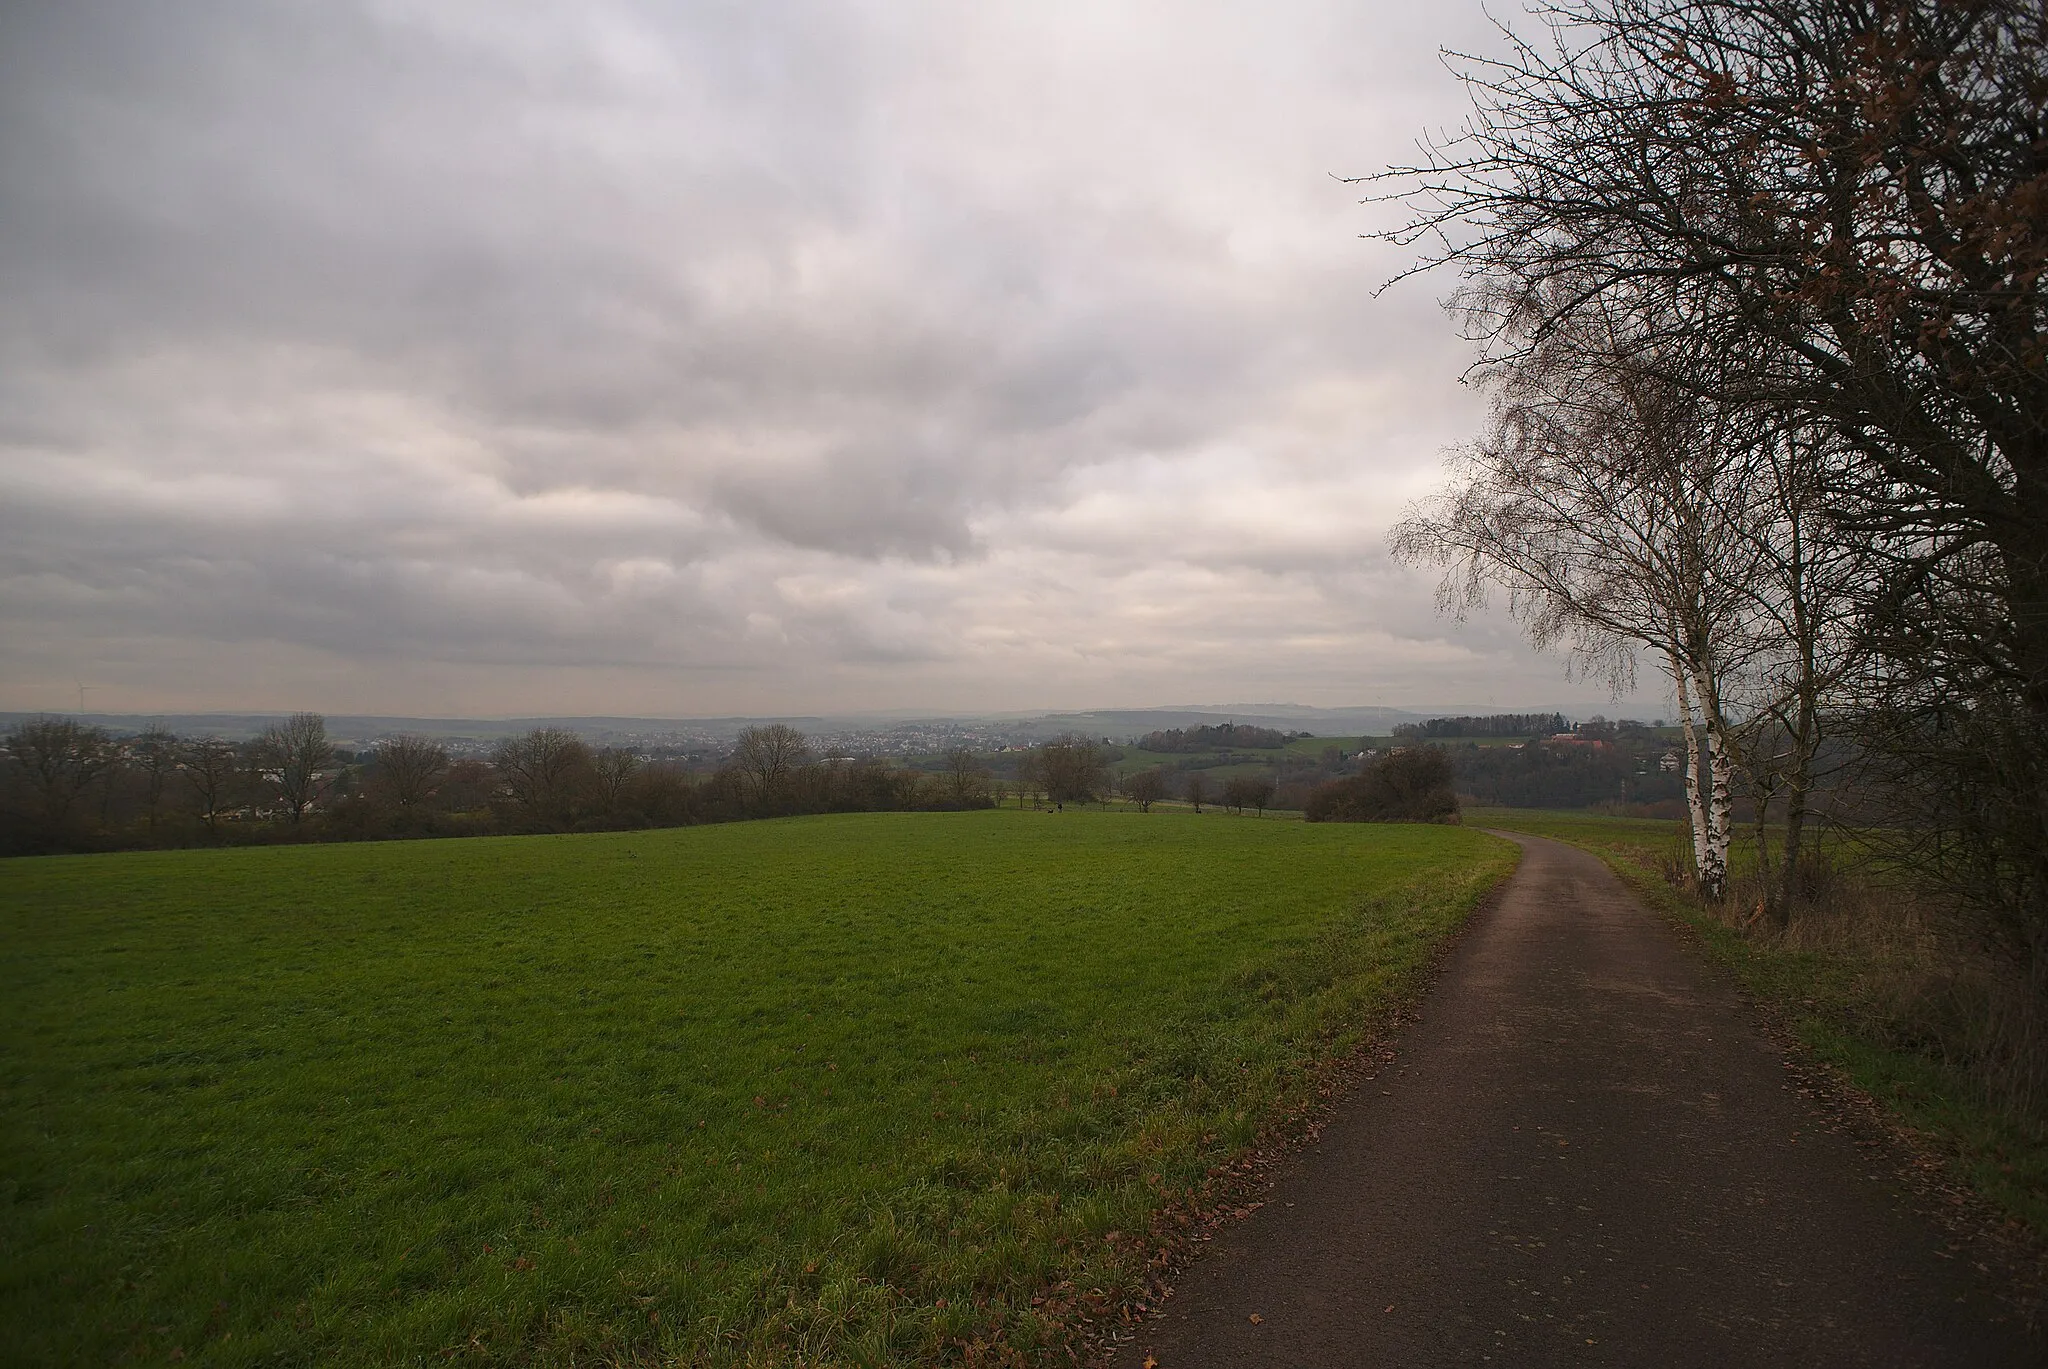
(1871, 1001)
(1636, 845)
(1135, 759)
(863, 1089)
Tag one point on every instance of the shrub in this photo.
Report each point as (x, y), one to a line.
(1409, 785)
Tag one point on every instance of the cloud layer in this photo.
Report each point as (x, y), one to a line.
(719, 358)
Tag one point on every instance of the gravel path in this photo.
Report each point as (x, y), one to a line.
(1585, 1152)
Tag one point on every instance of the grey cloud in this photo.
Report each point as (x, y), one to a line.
(683, 352)
(859, 503)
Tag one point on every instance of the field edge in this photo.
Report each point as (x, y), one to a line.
(1234, 1190)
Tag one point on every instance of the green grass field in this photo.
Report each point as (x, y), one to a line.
(1260, 763)
(829, 1090)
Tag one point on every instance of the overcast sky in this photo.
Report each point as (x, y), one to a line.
(709, 358)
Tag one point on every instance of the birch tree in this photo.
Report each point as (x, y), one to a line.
(1603, 501)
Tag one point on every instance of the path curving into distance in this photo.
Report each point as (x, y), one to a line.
(1585, 1152)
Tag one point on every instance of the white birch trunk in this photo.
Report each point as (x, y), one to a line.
(1720, 796)
(1718, 807)
(1696, 784)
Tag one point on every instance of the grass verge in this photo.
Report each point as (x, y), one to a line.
(854, 1089)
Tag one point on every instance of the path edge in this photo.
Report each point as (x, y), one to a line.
(2012, 1257)
(1181, 1233)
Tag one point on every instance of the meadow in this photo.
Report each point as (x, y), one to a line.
(891, 1088)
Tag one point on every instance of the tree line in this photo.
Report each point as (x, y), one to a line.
(1491, 725)
(1758, 290)
(70, 786)
(1212, 737)
(66, 785)
(1625, 775)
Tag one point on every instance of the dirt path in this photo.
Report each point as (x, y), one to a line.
(1584, 1153)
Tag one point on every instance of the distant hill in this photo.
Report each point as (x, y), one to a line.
(1123, 725)
(1130, 723)
(358, 728)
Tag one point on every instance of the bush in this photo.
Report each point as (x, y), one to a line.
(1410, 785)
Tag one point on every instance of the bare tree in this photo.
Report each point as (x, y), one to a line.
(1194, 787)
(1258, 792)
(615, 769)
(61, 759)
(213, 768)
(1808, 639)
(1030, 778)
(407, 768)
(1234, 793)
(154, 755)
(1623, 511)
(1070, 766)
(291, 755)
(767, 757)
(545, 770)
(1847, 195)
(966, 777)
(664, 792)
(1606, 500)
(1145, 788)
(468, 785)
(1845, 191)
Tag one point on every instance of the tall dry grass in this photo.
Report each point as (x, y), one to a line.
(1906, 967)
